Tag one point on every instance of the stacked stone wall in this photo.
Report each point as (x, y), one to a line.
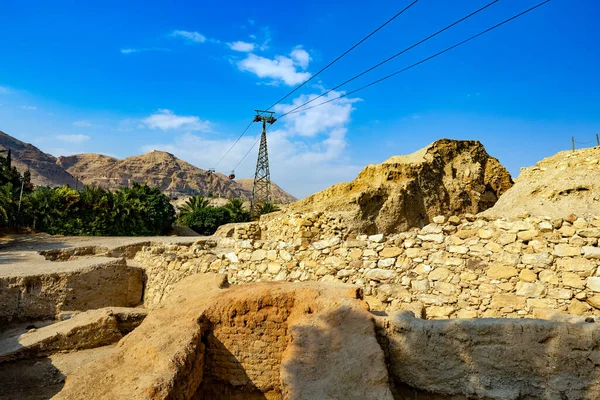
(452, 268)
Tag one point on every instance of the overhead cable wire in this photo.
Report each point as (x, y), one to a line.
(234, 143)
(422, 61)
(343, 54)
(392, 57)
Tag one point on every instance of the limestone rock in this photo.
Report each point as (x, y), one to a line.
(454, 171)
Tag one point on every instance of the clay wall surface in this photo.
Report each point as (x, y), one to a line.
(503, 359)
(102, 283)
(452, 268)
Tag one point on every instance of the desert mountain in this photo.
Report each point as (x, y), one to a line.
(448, 177)
(172, 175)
(158, 168)
(44, 171)
(558, 186)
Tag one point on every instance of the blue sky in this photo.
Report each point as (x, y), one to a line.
(184, 77)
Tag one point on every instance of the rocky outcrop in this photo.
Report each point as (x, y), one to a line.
(448, 177)
(558, 186)
(158, 168)
(43, 168)
(258, 341)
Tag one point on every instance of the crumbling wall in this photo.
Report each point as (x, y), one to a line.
(97, 283)
(452, 268)
(503, 359)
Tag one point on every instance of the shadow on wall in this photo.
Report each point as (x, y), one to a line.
(494, 358)
(335, 355)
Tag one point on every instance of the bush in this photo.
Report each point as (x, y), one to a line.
(205, 221)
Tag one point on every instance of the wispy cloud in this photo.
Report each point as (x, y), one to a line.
(288, 70)
(82, 124)
(31, 108)
(143, 49)
(4, 89)
(191, 37)
(307, 151)
(240, 46)
(72, 138)
(166, 120)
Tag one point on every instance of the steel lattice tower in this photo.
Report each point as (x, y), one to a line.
(261, 191)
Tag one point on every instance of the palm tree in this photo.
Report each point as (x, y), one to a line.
(6, 200)
(268, 207)
(237, 210)
(192, 204)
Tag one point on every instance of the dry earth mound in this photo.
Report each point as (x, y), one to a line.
(448, 177)
(558, 186)
(259, 341)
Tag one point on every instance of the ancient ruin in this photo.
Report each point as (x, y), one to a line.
(424, 295)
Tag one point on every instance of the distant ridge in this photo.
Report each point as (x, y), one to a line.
(172, 175)
(43, 167)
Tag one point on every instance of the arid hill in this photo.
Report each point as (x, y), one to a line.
(157, 168)
(44, 171)
(162, 169)
(277, 194)
(448, 177)
(558, 186)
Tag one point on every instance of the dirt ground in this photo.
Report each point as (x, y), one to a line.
(19, 254)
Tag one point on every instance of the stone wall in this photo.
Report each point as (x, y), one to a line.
(454, 268)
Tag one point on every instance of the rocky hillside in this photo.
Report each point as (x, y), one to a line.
(558, 186)
(44, 171)
(277, 194)
(448, 177)
(158, 168)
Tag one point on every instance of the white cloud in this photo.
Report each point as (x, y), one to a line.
(73, 138)
(82, 124)
(143, 49)
(31, 108)
(240, 46)
(193, 37)
(307, 151)
(301, 57)
(167, 120)
(280, 69)
(4, 89)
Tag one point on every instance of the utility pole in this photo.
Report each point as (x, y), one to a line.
(573, 142)
(597, 139)
(261, 191)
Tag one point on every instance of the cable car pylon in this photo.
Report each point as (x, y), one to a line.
(261, 191)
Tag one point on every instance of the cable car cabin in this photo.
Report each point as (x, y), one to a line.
(232, 175)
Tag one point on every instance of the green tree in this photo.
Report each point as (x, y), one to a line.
(6, 204)
(205, 221)
(237, 211)
(268, 207)
(192, 204)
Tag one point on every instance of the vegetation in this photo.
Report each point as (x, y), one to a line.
(236, 210)
(192, 204)
(205, 221)
(136, 211)
(268, 207)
